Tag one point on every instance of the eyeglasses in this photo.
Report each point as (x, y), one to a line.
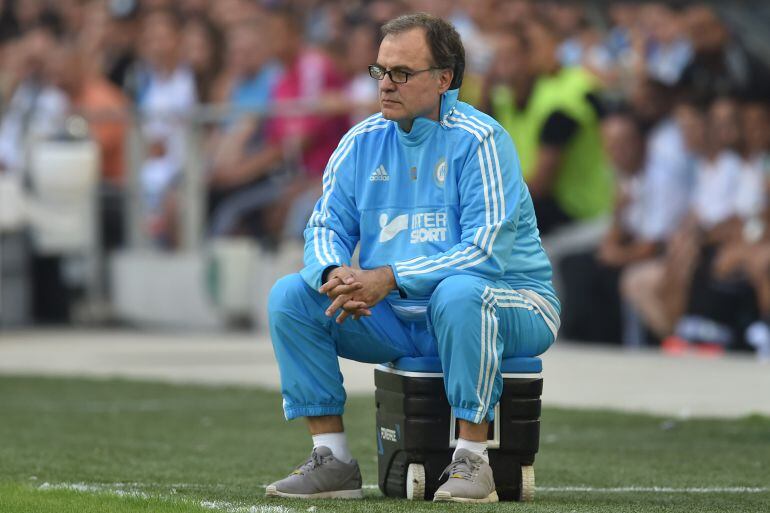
(397, 76)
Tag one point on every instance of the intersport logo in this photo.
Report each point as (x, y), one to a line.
(426, 227)
(389, 229)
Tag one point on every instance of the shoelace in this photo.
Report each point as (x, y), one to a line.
(463, 468)
(313, 462)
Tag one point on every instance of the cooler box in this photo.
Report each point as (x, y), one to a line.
(417, 432)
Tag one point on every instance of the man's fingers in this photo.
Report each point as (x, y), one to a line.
(353, 306)
(337, 304)
(344, 314)
(357, 309)
(344, 289)
(329, 285)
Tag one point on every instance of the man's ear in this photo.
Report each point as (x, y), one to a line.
(445, 80)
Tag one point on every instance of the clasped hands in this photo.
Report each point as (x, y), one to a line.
(355, 291)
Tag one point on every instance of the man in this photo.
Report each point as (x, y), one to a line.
(90, 93)
(591, 278)
(451, 264)
(253, 73)
(720, 65)
(165, 96)
(553, 115)
(308, 76)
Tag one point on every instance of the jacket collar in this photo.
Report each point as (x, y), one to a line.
(422, 127)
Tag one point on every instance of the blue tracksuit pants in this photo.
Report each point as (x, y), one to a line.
(471, 324)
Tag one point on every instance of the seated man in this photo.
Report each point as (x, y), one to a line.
(451, 264)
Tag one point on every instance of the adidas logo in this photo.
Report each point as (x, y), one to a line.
(379, 175)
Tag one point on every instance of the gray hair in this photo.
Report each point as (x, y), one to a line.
(444, 42)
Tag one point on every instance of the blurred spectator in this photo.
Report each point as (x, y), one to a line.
(580, 43)
(34, 109)
(668, 162)
(720, 66)
(325, 23)
(751, 199)
(90, 94)
(361, 92)
(251, 70)
(247, 85)
(70, 16)
(681, 280)
(476, 25)
(592, 278)
(622, 17)
(28, 14)
(553, 115)
(671, 148)
(118, 53)
(225, 14)
(303, 142)
(309, 76)
(713, 208)
(717, 175)
(201, 51)
(752, 194)
(380, 11)
(667, 50)
(165, 96)
(741, 270)
(569, 25)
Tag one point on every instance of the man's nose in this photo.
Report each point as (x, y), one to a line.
(387, 85)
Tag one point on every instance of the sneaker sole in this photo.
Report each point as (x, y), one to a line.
(272, 491)
(444, 496)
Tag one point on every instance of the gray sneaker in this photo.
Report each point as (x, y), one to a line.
(469, 479)
(322, 476)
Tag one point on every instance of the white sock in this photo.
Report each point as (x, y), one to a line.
(337, 442)
(479, 448)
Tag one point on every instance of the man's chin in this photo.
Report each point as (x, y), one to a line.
(391, 114)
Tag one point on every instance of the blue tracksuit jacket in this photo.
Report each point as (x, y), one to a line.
(445, 198)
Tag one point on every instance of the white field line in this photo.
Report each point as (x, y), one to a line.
(631, 489)
(135, 490)
(653, 489)
(130, 490)
(94, 488)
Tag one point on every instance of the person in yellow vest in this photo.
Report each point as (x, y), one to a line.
(553, 116)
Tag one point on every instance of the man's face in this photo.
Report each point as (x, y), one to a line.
(623, 143)
(511, 59)
(160, 39)
(421, 94)
(247, 50)
(724, 124)
(692, 123)
(755, 120)
(285, 37)
(62, 70)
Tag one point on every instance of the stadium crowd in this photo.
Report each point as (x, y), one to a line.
(652, 115)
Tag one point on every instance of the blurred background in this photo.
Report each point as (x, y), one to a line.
(159, 158)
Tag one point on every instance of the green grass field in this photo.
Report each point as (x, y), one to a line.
(74, 445)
